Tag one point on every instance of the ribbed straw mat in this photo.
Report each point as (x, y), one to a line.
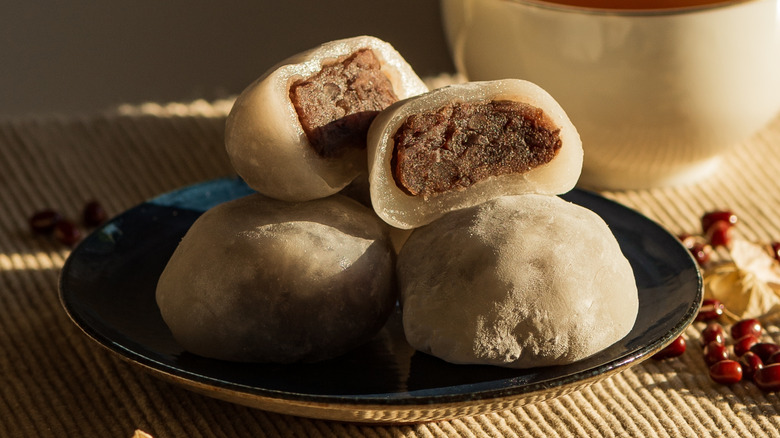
(56, 382)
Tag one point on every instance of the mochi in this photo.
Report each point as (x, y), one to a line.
(464, 144)
(298, 132)
(518, 281)
(261, 280)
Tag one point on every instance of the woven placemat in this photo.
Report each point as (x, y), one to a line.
(57, 382)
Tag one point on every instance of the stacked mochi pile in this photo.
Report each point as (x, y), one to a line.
(373, 190)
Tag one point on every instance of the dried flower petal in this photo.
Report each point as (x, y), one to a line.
(740, 291)
(748, 285)
(754, 258)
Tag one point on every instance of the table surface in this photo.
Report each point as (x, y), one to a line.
(58, 382)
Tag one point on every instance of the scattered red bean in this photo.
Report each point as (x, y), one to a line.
(688, 240)
(726, 372)
(710, 309)
(94, 214)
(711, 217)
(713, 333)
(756, 360)
(743, 344)
(750, 363)
(767, 378)
(765, 350)
(701, 252)
(714, 353)
(746, 327)
(674, 349)
(44, 221)
(720, 233)
(50, 221)
(773, 358)
(67, 233)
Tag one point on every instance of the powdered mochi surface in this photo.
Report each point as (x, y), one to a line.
(519, 281)
(269, 281)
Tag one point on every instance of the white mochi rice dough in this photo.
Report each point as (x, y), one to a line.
(519, 281)
(261, 280)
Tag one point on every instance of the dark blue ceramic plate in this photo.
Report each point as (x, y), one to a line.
(108, 284)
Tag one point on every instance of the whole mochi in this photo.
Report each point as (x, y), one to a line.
(519, 281)
(260, 280)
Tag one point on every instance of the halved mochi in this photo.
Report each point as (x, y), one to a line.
(298, 132)
(464, 144)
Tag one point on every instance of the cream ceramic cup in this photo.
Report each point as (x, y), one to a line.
(657, 95)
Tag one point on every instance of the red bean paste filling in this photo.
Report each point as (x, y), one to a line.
(336, 105)
(462, 143)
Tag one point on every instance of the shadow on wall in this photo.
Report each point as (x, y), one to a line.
(86, 56)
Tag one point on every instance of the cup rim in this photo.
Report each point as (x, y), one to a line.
(628, 12)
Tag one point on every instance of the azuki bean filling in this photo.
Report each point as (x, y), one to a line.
(336, 105)
(462, 143)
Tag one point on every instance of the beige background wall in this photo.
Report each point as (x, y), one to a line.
(79, 56)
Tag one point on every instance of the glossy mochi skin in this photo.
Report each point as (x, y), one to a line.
(260, 280)
(264, 138)
(405, 211)
(519, 281)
